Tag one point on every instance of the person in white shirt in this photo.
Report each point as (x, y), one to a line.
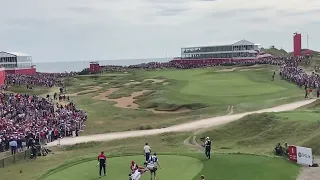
(147, 151)
(137, 174)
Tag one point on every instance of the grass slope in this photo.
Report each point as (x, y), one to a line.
(259, 133)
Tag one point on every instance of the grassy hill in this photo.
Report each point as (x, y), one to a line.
(300, 127)
(276, 52)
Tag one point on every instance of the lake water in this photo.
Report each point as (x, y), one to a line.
(59, 67)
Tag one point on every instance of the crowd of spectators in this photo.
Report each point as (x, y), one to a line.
(39, 79)
(26, 120)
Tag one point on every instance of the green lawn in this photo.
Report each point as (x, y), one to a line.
(187, 167)
(119, 168)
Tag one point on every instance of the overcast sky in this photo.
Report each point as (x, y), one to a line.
(71, 30)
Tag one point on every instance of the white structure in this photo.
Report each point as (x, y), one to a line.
(15, 60)
(240, 50)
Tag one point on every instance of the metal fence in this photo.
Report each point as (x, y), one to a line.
(16, 158)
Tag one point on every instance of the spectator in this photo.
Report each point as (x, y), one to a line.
(13, 145)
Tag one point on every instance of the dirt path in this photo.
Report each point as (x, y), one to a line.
(191, 126)
(310, 173)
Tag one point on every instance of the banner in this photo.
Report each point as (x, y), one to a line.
(304, 156)
(292, 151)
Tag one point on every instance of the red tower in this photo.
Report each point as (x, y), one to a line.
(94, 66)
(296, 44)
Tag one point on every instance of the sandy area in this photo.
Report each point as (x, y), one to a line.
(182, 110)
(123, 102)
(128, 102)
(137, 82)
(191, 126)
(165, 83)
(226, 70)
(253, 69)
(91, 89)
(103, 96)
(130, 83)
(155, 80)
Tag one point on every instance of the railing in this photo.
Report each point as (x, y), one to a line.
(16, 158)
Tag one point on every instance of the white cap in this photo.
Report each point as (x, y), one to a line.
(207, 138)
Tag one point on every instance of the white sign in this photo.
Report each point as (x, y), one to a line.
(304, 156)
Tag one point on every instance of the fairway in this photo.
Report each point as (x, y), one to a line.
(174, 167)
(210, 87)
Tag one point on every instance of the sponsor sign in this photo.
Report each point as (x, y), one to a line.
(292, 151)
(304, 156)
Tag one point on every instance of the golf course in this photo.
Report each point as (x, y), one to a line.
(141, 101)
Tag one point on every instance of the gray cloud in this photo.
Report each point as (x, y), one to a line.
(81, 9)
(117, 29)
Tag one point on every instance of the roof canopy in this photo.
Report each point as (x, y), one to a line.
(15, 53)
(238, 43)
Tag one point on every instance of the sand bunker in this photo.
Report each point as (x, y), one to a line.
(103, 96)
(256, 69)
(128, 102)
(182, 110)
(137, 82)
(91, 89)
(131, 83)
(155, 80)
(226, 70)
(123, 102)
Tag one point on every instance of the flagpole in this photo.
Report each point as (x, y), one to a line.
(307, 41)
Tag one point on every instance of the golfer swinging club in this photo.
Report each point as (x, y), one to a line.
(102, 159)
(207, 146)
(136, 175)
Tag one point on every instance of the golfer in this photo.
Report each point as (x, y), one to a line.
(102, 159)
(207, 146)
(136, 175)
(147, 151)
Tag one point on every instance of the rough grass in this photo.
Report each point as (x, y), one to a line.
(34, 91)
(259, 133)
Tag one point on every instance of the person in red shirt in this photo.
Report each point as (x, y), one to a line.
(102, 159)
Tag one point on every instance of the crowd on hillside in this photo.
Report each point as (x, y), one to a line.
(25, 120)
(39, 79)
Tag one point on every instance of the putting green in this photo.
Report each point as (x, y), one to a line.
(173, 167)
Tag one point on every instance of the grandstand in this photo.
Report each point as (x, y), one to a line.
(240, 51)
